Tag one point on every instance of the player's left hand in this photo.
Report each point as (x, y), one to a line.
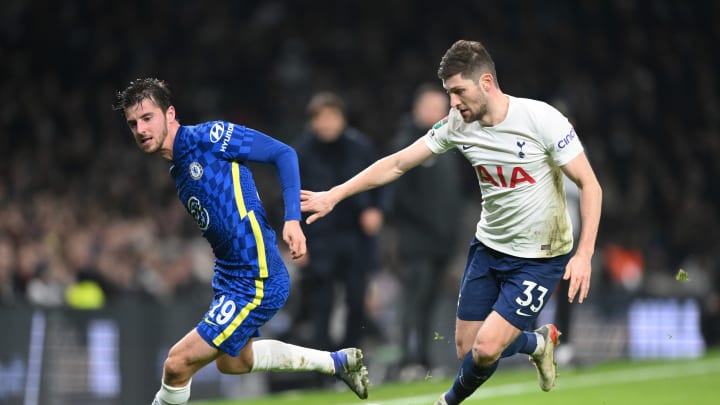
(295, 239)
(578, 271)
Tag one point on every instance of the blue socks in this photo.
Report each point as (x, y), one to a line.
(339, 358)
(471, 376)
(526, 343)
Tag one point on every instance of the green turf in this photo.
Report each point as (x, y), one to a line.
(695, 382)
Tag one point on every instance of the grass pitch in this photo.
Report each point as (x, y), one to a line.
(668, 382)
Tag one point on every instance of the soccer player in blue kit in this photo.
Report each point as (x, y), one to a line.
(251, 283)
(520, 150)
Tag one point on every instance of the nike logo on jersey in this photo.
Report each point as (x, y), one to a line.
(208, 321)
(466, 147)
(521, 313)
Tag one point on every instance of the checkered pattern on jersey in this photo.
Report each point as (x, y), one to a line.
(239, 146)
(226, 202)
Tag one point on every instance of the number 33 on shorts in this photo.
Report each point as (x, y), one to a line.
(532, 299)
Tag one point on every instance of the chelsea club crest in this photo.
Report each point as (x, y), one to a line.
(196, 170)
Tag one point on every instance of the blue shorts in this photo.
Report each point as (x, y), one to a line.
(514, 287)
(240, 307)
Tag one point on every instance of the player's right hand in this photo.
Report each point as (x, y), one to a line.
(318, 203)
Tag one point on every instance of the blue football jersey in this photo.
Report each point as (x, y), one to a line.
(217, 188)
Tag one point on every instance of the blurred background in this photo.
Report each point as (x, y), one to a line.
(101, 270)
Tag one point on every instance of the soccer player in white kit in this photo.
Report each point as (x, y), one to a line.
(520, 150)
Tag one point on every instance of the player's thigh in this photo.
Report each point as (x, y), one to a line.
(480, 287)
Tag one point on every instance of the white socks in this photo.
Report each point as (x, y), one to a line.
(172, 395)
(540, 345)
(268, 355)
(273, 355)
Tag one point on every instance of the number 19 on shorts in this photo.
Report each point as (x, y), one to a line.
(222, 312)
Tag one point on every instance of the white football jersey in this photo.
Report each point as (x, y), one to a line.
(517, 162)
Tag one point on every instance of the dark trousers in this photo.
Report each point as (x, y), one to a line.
(563, 310)
(421, 278)
(342, 260)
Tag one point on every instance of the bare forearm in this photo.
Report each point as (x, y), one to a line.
(383, 171)
(377, 174)
(590, 208)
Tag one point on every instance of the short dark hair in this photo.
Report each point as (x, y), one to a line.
(325, 99)
(469, 58)
(140, 89)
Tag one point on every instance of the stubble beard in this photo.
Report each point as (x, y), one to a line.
(158, 146)
(478, 115)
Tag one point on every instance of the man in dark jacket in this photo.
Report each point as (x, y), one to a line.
(342, 249)
(423, 260)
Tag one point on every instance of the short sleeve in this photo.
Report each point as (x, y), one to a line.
(437, 137)
(559, 136)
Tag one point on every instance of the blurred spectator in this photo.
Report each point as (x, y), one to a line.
(639, 78)
(7, 271)
(341, 250)
(426, 238)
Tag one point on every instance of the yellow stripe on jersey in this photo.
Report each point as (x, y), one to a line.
(257, 232)
(238, 190)
(238, 320)
(260, 242)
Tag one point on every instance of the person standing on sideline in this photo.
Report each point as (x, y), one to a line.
(208, 162)
(519, 149)
(434, 186)
(341, 250)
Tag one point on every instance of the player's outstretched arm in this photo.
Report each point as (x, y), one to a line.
(382, 172)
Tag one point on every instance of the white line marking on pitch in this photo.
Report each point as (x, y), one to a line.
(577, 381)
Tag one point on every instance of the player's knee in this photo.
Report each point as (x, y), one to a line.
(176, 369)
(485, 353)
